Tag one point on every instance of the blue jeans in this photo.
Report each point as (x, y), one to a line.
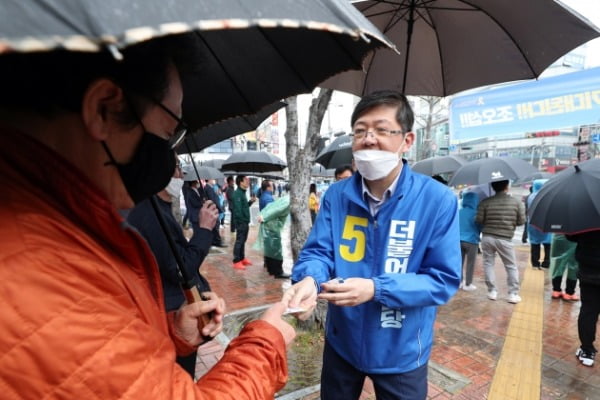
(341, 381)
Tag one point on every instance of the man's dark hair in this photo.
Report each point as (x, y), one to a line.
(343, 168)
(239, 179)
(499, 186)
(312, 188)
(404, 113)
(265, 185)
(51, 83)
(230, 179)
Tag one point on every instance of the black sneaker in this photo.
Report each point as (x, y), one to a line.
(585, 357)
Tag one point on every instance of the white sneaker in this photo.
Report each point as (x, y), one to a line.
(492, 295)
(469, 288)
(585, 357)
(514, 298)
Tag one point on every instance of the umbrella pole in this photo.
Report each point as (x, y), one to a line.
(409, 32)
(191, 292)
(202, 195)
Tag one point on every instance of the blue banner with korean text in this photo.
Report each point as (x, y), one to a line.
(562, 101)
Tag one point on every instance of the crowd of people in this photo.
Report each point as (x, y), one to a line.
(569, 258)
(90, 243)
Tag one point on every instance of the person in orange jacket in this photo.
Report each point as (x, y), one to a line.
(82, 136)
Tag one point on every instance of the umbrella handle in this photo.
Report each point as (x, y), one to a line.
(192, 295)
(190, 291)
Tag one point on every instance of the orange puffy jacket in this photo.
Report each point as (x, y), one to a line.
(82, 312)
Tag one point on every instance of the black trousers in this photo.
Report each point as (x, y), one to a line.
(274, 266)
(231, 224)
(217, 240)
(588, 314)
(341, 381)
(535, 255)
(241, 235)
(557, 283)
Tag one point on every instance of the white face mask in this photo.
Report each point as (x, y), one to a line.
(375, 164)
(174, 187)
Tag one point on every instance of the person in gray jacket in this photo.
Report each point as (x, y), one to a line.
(500, 215)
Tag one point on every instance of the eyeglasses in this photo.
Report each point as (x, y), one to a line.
(360, 133)
(180, 130)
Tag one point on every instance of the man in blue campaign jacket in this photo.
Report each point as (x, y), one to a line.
(384, 254)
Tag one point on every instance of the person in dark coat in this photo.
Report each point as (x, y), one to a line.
(143, 218)
(587, 255)
(212, 196)
(241, 218)
(229, 194)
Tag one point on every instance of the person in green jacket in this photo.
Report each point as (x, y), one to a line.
(272, 219)
(562, 258)
(241, 219)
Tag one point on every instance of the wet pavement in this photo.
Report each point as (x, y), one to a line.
(470, 338)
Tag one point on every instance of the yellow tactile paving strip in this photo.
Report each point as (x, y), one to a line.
(518, 373)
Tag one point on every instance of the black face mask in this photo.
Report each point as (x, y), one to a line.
(150, 169)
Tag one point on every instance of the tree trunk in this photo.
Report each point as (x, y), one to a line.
(300, 161)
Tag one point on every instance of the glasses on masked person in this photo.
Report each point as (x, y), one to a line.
(361, 133)
(180, 130)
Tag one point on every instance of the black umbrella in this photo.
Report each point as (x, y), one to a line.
(447, 46)
(322, 172)
(275, 175)
(252, 54)
(338, 152)
(253, 162)
(215, 163)
(491, 169)
(533, 177)
(570, 201)
(226, 129)
(482, 191)
(200, 172)
(438, 165)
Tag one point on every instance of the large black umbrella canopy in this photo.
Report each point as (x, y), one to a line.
(253, 53)
(219, 131)
(438, 165)
(253, 162)
(337, 153)
(491, 169)
(570, 201)
(447, 46)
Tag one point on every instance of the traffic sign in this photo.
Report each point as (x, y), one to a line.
(596, 138)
